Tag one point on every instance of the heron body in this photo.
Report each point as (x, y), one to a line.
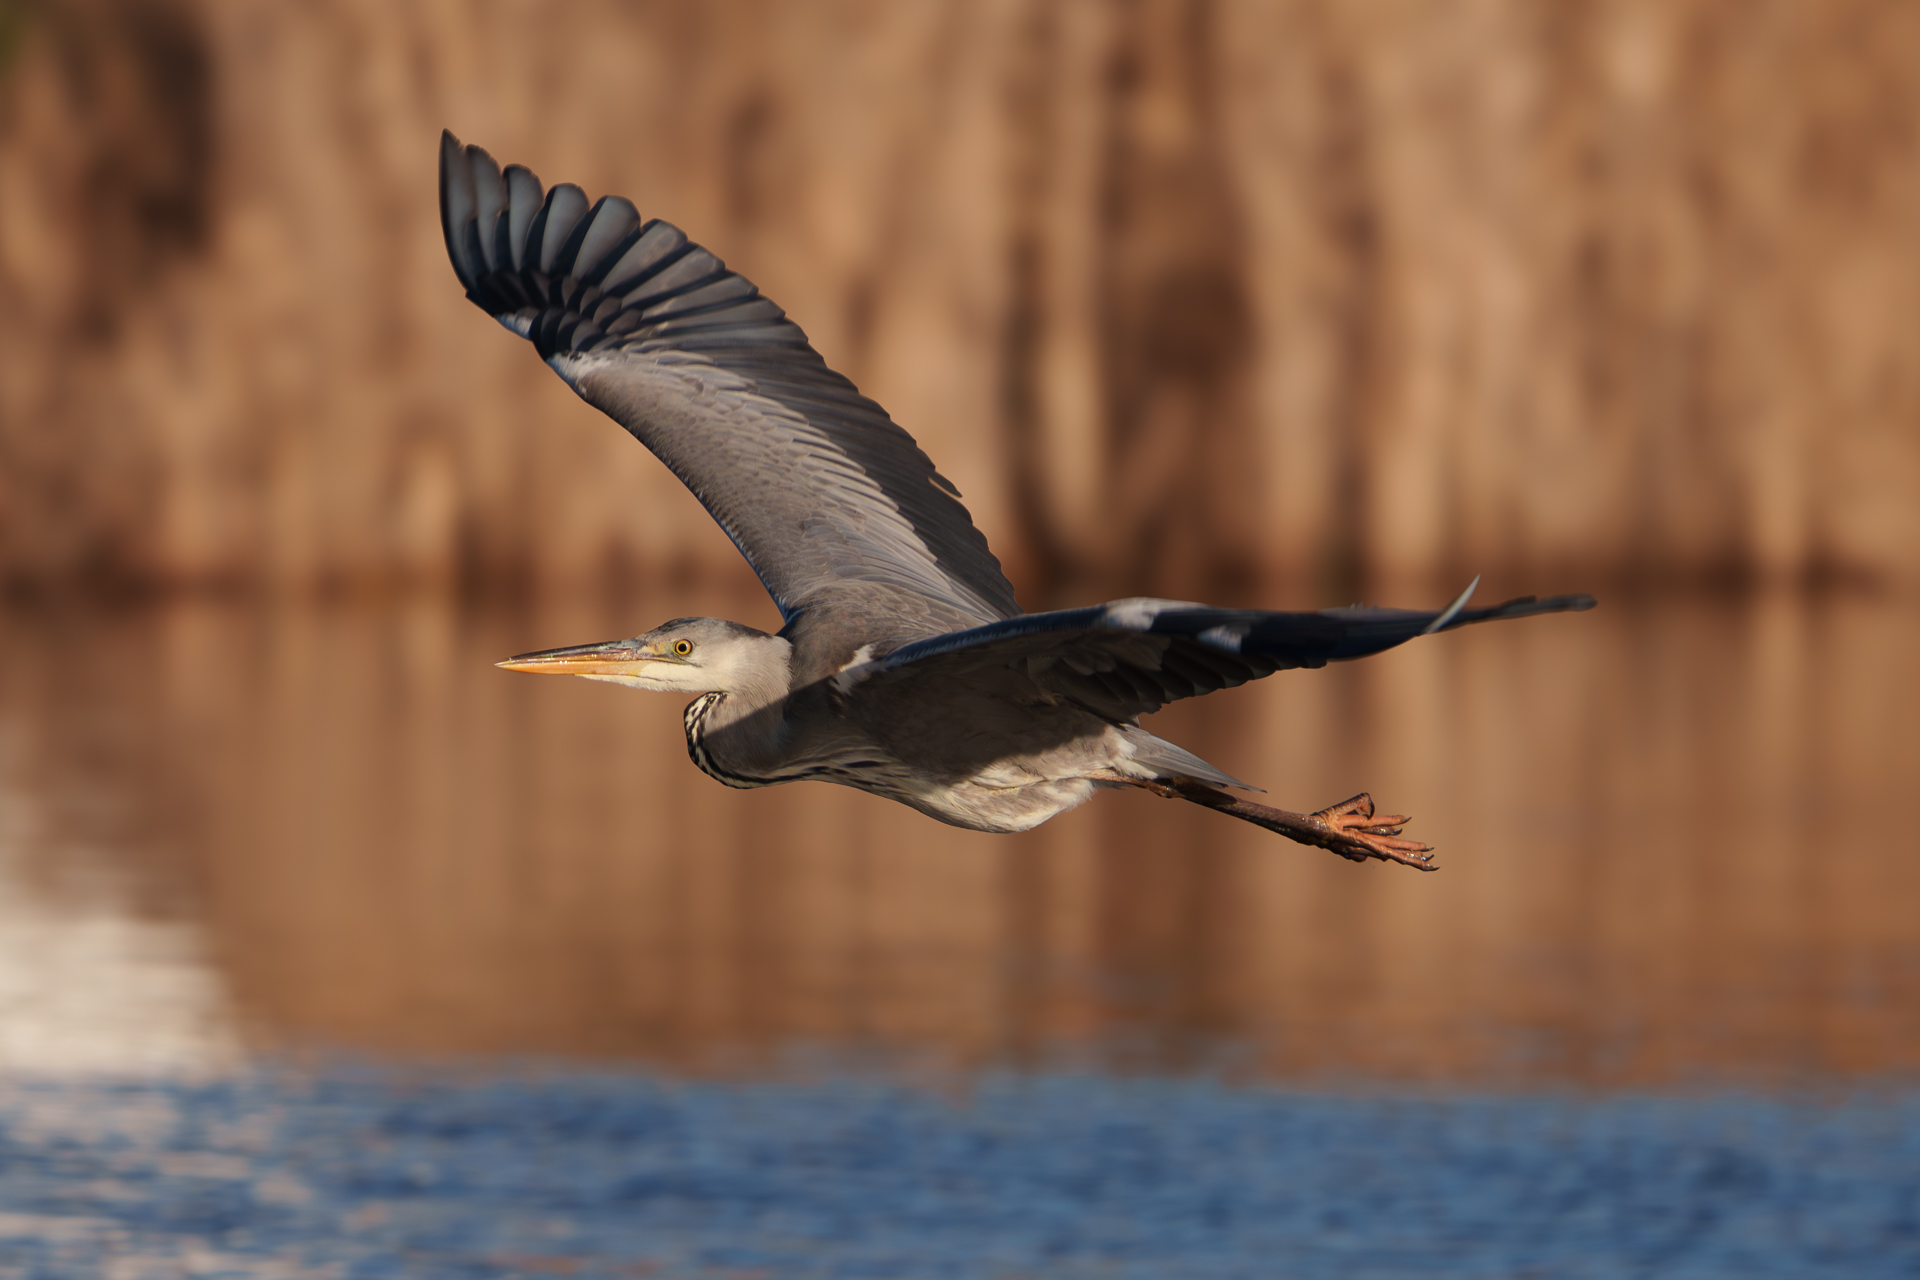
(904, 667)
(750, 726)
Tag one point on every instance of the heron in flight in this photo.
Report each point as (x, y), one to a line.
(905, 667)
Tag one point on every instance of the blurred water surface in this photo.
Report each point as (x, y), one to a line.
(1673, 832)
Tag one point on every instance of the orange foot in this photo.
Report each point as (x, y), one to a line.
(1352, 831)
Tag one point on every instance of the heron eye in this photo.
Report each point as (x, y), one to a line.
(683, 647)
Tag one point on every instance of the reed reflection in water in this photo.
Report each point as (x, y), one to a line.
(1672, 835)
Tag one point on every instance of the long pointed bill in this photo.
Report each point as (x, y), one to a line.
(613, 658)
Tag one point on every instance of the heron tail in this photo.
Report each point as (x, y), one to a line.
(1168, 760)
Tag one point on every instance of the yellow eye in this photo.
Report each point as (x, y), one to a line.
(683, 647)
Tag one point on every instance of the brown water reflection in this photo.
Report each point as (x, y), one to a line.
(1674, 837)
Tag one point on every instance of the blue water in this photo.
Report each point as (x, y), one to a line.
(369, 1173)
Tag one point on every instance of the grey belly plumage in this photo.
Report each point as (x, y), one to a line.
(971, 779)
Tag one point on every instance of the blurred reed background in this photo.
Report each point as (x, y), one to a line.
(1177, 291)
(1274, 302)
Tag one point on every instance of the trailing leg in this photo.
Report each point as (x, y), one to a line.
(1349, 828)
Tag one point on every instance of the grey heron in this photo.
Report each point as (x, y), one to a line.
(904, 667)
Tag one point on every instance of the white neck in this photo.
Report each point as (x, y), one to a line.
(744, 728)
(756, 672)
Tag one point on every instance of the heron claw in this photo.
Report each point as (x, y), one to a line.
(1354, 832)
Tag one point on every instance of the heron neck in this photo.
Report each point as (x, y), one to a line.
(751, 706)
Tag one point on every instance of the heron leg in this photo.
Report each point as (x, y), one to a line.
(1350, 828)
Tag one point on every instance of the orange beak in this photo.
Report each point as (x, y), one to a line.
(611, 658)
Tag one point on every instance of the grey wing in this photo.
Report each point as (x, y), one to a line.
(1125, 659)
(816, 486)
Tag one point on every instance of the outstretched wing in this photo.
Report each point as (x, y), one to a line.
(812, 481)
(1125, 659)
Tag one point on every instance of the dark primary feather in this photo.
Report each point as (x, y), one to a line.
(1132, 657)
(822, 493)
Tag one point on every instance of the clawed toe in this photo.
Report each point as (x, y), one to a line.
(1356, 833)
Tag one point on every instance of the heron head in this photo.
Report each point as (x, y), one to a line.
(687, 655)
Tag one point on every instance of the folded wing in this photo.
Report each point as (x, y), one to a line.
(820, 491)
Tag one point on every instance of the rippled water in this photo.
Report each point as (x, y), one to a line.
(619, 1176)
(1674, 840)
